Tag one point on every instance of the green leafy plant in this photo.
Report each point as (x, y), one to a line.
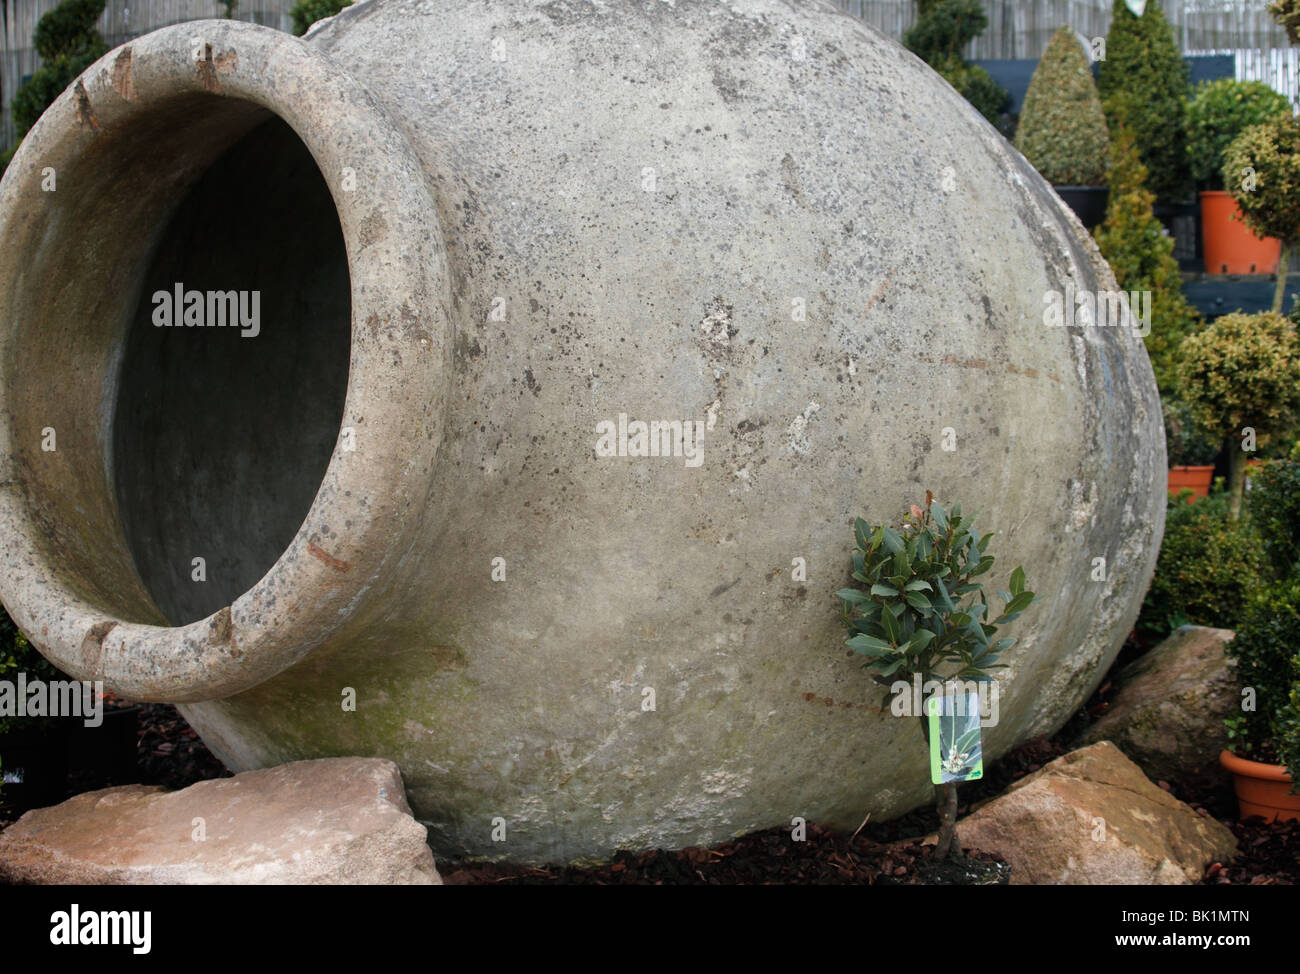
(1187, 442)
(921, 611)
(307, 12)
(1287, 15)
(1062, 129)
(1207, 567)
(1261, 168)
(1143, 84)
(940, 34)
(1264, 651)
(1141, 255)
(1274, 505)
(1219, 112)
(68, 43)
(1242, 373)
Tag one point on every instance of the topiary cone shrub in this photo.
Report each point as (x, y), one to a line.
(1141, 254)
(1241, 378)
(1261, 168)
(1143, 84)
(1062, 127)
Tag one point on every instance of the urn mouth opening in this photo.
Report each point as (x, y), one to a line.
(224, 345)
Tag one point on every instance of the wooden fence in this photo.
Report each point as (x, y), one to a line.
(1017, 29)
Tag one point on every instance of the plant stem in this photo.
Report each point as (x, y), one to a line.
(1279, 290)
(1236, 477)
(947, 820)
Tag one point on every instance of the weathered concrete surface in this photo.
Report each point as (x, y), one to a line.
(1168, 714)
(763, 217)
(338, 820)
(1091, 817)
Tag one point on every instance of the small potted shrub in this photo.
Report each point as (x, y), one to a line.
(1240, 377)
(1261, 169)
(1192, 451)
(917, 612)
(1062, 129)
(1219, 112)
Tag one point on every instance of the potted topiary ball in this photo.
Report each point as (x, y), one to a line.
(1062, 129)
(1240, 377)
(1264, 738)
(1261, 169)
(1191, 450)
(1216, 115)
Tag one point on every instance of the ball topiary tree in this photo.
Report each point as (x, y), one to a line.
(1062, 128)
(67, 42)
(940, 34)
(1261, 168)
(1143, 84)
(1219, 112)
(1241, 378)
(1141, 254)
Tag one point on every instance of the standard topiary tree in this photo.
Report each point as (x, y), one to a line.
(1062, 128)
(940, 34)
(1219, 112)
(1141, 255)
(1143, 84)
(1242, 373)
(1261, 169)
(307, 12)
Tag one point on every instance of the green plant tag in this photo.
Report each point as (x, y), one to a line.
(956, 750)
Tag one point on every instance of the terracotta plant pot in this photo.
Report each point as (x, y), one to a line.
(1229, 246)
(1262, 789)
(1197, 478)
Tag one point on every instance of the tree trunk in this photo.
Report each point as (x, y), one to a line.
(1236, 477)
(947, 820)
(1279, 290)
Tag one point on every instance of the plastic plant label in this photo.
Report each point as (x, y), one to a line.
(956, 749)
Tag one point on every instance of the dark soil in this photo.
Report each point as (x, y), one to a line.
(169, 753)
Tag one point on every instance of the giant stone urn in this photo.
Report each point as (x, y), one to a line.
(491, 386)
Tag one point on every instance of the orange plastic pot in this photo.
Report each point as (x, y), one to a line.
(1229, 246)
(1197, 478)
(1262, 789)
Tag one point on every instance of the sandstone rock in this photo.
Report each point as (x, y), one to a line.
(1091, 817)
(334, 820)
(1168, 714)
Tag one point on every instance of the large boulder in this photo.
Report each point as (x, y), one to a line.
(334, 820)
(1168, 713)
(1091, 817)
(417, 508)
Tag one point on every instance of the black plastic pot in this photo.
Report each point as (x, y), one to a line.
(1088, 202)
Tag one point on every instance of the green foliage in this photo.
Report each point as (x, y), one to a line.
(1287, 14)
(18, 655)
(1219, 112)
(307, 12)
(1207, 567)
(1141, 255)
(1265, 653)
(1261, 169)
(1286, 728)
(1062, 129)
(1243, 370)
(68, 43)
(1188, 443)
(940, 34)
(944, 28)
(919, 607)
(1275, 511)
(68, 28)
(1143, 84)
